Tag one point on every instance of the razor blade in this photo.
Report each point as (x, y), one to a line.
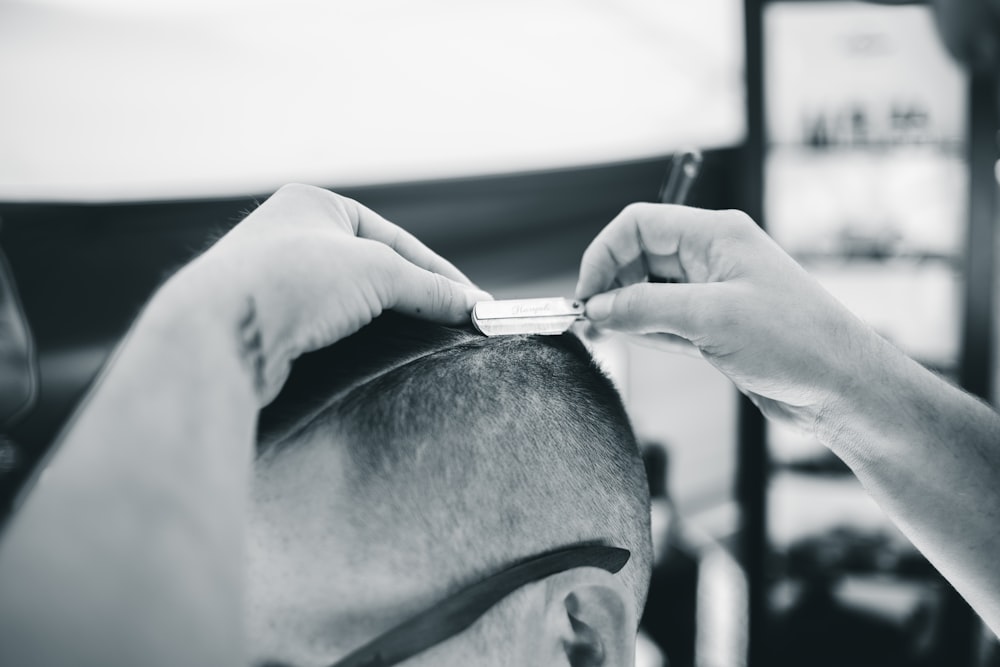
(546, 317)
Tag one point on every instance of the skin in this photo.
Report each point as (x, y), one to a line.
(131, 547)
(927, 452)
(317, 588)
(129, 550)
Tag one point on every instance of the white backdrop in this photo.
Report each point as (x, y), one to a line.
(111, 99)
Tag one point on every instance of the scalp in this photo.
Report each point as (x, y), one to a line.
(471, 451)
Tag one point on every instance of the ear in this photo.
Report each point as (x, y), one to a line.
(590, 619)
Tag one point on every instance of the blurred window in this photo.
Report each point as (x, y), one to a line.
(112, 99)
(867, 185)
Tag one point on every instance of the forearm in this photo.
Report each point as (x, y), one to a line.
(131, 541)
(930, 456)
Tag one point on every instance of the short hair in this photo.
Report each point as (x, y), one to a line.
(474, 451)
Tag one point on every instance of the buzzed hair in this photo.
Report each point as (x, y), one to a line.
(470, 452)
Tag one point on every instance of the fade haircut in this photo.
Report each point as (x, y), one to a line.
(466, 452)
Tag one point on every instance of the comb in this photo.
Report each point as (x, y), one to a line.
(547, 317)
(684, 169)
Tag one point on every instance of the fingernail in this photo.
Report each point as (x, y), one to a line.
(599, 307)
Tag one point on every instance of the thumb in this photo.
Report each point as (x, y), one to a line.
(672, 308)
(432, 296)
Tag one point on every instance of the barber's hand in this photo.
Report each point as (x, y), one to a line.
(309, 267)
(750, 309)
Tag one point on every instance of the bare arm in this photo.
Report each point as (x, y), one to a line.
(129, 550)
(930, 456)
(139, 514)
(927, 452)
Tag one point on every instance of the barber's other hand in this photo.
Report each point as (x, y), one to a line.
(747, 306)
(309, 267)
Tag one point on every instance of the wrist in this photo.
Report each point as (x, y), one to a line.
(860, 421)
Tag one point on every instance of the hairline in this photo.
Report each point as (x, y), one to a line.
(305, 424)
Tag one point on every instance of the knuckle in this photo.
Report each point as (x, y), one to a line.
(296, 190)
(309, 197)
(707, 312)
(648, 227)
(378, 256)
(346, 206)
(632, 209)
(440, 297)
(379, 252)
(446, 294)
(633, 302)
(737, 222)
(639, 209)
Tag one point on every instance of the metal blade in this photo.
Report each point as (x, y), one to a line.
(526, 316)
(543, 326)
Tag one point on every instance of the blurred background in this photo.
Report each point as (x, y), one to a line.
(505, 134)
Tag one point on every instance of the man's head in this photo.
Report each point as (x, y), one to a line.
(412, 460)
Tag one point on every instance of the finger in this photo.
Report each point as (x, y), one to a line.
(301, 205)
(310, 205)
(588, 332)
(657, 229)
(370, 225)
(680, 309)
(635, 271)
(415, 291)
(672, 343)
(667, 343)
